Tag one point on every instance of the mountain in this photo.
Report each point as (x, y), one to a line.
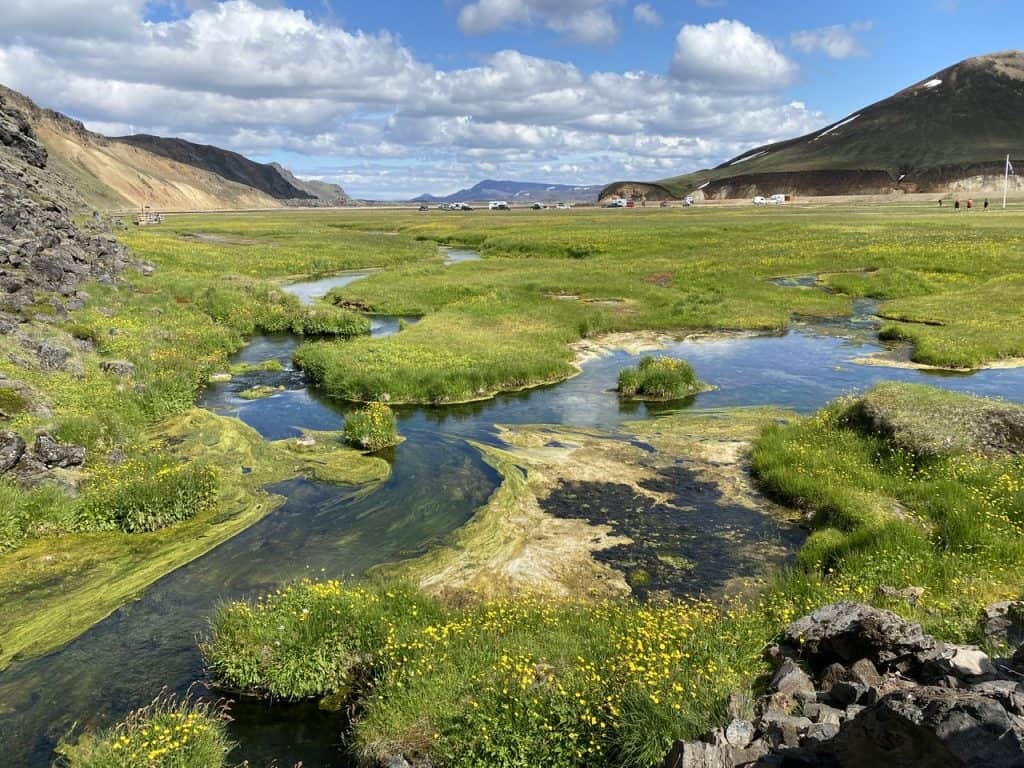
(226, 164)
(951, 130)
(166, 174)
(517, 192)
(326, 193)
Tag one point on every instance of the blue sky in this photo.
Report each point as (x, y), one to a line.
(391, 99)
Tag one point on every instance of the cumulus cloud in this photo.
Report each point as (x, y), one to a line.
(838, 41)
(645, 14)
(584, 21)
(731, 55)
(363, 110)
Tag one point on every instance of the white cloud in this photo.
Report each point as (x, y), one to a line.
(731, 55)
(645, 14)
(585, 21)
(362, 109)
(838, 41)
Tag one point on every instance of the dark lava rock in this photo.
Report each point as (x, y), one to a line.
(934, 727)
(120, 368)
(12, 448)
(51, 357)
(699, 754)
(55, 454)
(1003, 622)
(847, 632)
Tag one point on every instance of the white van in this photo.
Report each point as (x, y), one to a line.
(776, 199)
(497, 205)
(759, 200)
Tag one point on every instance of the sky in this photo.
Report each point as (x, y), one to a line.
(393, 99)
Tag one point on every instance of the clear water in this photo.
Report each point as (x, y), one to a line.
(311, 290)
(437, 482)
(458, 255)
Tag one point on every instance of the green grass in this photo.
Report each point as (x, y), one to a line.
(658, 378)
(887, 513)
(523, 680)
(371, 428)
(547, 280)
(168, 733)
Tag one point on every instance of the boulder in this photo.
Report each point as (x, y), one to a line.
(52, 453)
(121, 368)
(51, 357)
(739, 733)
(846, 632)
(864, 672)
(12, 448)
(934, 727)
(1003, 622)
(782, 729)
(699, 754)
(790, 681)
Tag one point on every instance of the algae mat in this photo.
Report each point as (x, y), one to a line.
(53, 590)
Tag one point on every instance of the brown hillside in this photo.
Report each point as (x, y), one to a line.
(111, 175)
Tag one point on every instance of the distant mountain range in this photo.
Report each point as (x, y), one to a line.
(517, 192)
(949, 131)
(167, 174)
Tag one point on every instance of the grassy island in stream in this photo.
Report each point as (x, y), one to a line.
(525, 679)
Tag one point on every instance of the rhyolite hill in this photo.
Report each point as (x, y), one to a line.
(951, 130)
(168, 174)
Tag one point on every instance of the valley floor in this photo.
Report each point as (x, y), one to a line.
(584, 519)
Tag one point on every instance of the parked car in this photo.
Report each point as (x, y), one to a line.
(759, 200)
(619, 202)
(538, 206)
(776, 200)
(497, 205)
(424, 207)
(462, 207)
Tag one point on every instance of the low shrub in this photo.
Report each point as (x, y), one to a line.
(28, 512)
(12, 402)
(146, 494)
(658, 378)
(373, 428)
(167, 733)
(325, 320)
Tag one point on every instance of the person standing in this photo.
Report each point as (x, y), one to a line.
(956, 205)
(986, 204)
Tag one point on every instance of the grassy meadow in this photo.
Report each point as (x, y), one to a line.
(551, 277)
(521, 679)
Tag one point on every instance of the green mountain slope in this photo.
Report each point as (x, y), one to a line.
(957, 124)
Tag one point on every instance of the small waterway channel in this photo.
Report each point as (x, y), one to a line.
(437, 481)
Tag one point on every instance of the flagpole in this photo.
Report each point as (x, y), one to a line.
(1006, 180)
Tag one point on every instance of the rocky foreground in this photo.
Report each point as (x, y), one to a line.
(44, 259)
(858, 686)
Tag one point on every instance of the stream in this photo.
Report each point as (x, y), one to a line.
(437, 482)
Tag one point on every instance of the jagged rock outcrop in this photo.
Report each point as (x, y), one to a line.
(44, 260)
(857, 686)
(42, 251)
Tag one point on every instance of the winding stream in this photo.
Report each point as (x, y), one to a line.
(437, 482)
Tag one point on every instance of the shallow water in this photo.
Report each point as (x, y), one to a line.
(309, 291)
(458, 255)
(437, 482)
